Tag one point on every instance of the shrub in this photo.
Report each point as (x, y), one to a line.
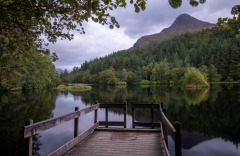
(193, 78)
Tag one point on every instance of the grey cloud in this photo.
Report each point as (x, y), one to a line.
(100, 41)
(160, 13)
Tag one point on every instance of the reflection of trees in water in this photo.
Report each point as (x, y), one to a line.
(213, 112)
(194, 97)
(14, 110)
(219, 118)
(36, 144)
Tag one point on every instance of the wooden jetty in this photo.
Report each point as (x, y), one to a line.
(104, 139)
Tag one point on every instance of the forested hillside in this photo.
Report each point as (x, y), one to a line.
(215, 52)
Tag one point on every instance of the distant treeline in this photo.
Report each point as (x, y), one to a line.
(214, 52)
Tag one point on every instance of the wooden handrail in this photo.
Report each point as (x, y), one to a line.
(47, 124)
(31, 129)
(146, 106)
(170, 129)
(63, 149)
(173, 131)
(107, 123)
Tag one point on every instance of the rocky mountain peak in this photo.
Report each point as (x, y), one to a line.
(185, 21)
(183, 24)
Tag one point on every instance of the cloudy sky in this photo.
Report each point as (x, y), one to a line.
(100, 40)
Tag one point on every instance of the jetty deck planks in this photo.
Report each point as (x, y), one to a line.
(113, 143)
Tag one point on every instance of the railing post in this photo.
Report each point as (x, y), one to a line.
(133, 115)
(152, 114)
(28, 141)
(161, 105)
(106, 116)
(177, 135)
(76, 124)
(125, 115)
(95, 114)
(165, 133)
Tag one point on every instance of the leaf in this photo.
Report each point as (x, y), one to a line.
(143, 5)
(238, 36)
(111, 26)
(137, 9)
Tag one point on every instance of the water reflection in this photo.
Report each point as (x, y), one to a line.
(210, 118)
(195, 97)
(216, 117)
(14, 110)
(58, 136)
(204, 114)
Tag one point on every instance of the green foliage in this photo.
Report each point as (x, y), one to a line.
(160, 72)
(107, 77)
(121, 83)
(65, 76)
(26, 21)
(30, 71)
(213, 74)
(178, 3)
(144, 82)
(215, 52)
(147, 82)
(232, 24)
(75, 87)
(193, 78)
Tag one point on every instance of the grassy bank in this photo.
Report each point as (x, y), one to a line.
(74, 87)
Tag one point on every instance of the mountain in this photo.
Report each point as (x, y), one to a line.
(59, 71)
(183, 24)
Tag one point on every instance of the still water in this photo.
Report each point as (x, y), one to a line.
(210, 118)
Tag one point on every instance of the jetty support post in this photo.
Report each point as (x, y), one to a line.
(96, 114)
(28, 141)
(106, 116)
(152, 115)
(125, 115)
(177, 135)
(76, 124)
(133, 115)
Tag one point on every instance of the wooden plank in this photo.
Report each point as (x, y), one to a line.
(128, 130)
(111, 123)
(63, 149)
(109, 105)
(147, 124)
(145, 105)
(102, 143)
(47, 124)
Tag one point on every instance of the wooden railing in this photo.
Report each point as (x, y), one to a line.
(173, 131)
(167, 127)
(144, 106)
(31, 129)
(107, 123)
